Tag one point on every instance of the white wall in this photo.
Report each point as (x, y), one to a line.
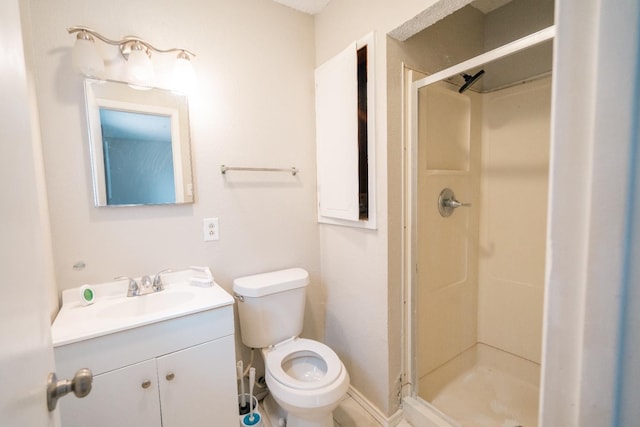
(361, 269)
(253, 107)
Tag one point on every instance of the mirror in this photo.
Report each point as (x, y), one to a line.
(139, 144)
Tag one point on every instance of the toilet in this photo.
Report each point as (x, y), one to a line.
(307, 380)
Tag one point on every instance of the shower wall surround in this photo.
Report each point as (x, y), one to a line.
(480, 271)
(515, 170)
(447, 290)
(479, 282)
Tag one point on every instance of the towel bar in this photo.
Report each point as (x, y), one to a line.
(292, 170)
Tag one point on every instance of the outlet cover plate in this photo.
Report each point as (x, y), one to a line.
(211, 229)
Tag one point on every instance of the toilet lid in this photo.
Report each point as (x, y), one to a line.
(300, 349)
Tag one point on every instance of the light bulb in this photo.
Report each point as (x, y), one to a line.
(84, 56)
(139, 70)
(184, 76)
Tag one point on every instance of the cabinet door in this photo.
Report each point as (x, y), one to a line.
(123, 397)
(337, 136)
(198, 385)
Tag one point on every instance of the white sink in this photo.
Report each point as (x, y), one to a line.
(113, 311)
(146, 304)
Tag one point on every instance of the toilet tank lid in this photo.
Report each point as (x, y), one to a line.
(270, 283)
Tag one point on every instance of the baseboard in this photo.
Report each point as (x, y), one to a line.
(373, 410)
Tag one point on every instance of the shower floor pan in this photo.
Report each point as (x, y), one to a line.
(485, 387)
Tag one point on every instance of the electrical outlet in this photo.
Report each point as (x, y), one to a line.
(211, 229)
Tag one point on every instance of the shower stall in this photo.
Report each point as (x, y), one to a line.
(477, 185)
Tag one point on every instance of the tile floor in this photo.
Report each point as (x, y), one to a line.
(350, 414)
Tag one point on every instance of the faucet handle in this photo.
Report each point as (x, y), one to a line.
(157, 280)
(133, 288)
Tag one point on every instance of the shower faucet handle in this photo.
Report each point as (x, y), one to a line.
(447, 202)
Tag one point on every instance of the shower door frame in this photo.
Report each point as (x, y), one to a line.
(409, 391)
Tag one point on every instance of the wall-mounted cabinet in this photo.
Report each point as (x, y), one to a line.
(345, 137)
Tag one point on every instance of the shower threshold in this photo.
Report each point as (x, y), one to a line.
(485, 387)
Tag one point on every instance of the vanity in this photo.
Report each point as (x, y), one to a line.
(161, 359)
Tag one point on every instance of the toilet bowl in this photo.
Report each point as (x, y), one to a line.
(306, 378)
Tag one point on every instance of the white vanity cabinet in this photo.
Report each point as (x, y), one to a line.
(190, 385)
(174, 373)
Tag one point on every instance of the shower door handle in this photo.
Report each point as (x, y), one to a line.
(447, 202)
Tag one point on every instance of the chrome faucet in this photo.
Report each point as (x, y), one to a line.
(133, 289)
(146, 285)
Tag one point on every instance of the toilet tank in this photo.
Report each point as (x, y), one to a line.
(271, 306)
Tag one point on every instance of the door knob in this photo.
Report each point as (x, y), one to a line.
(80, 385)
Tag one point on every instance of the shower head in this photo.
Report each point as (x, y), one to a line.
(469, 80)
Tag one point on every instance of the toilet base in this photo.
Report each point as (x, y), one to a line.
(278, 417)
(273, 412)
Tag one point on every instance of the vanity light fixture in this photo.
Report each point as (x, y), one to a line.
(136, 51)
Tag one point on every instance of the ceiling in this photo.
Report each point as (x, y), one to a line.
(307, 6)
(313, 7)
(486, 6)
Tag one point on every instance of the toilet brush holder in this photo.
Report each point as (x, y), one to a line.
(251, 420)
(245, 412)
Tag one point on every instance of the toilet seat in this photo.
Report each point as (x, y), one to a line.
(300, 347)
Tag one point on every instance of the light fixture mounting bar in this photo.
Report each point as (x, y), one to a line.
(127, 42)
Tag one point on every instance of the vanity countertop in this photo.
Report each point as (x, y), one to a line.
(113, 311)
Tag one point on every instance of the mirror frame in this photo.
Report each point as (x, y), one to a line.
(121, 96)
